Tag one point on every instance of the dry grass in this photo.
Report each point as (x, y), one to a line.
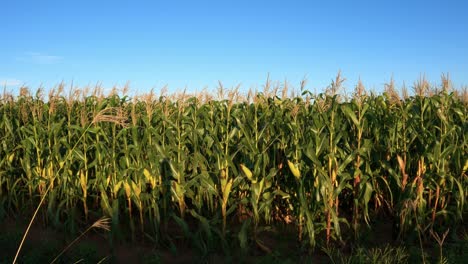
(103, 223)
(115, 115)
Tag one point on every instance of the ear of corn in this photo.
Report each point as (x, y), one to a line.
(294, 170)
(248, 173)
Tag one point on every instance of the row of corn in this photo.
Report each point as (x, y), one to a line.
(233, 166)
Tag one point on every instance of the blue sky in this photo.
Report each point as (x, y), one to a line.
(193, 44)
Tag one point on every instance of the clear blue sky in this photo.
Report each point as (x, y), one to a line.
(194, 44)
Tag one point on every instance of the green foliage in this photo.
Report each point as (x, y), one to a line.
(203, 170)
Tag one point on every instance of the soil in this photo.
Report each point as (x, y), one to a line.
(277, 245)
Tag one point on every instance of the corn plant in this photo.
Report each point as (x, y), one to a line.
(181, 166)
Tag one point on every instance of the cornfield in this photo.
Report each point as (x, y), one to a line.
(231, 165)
